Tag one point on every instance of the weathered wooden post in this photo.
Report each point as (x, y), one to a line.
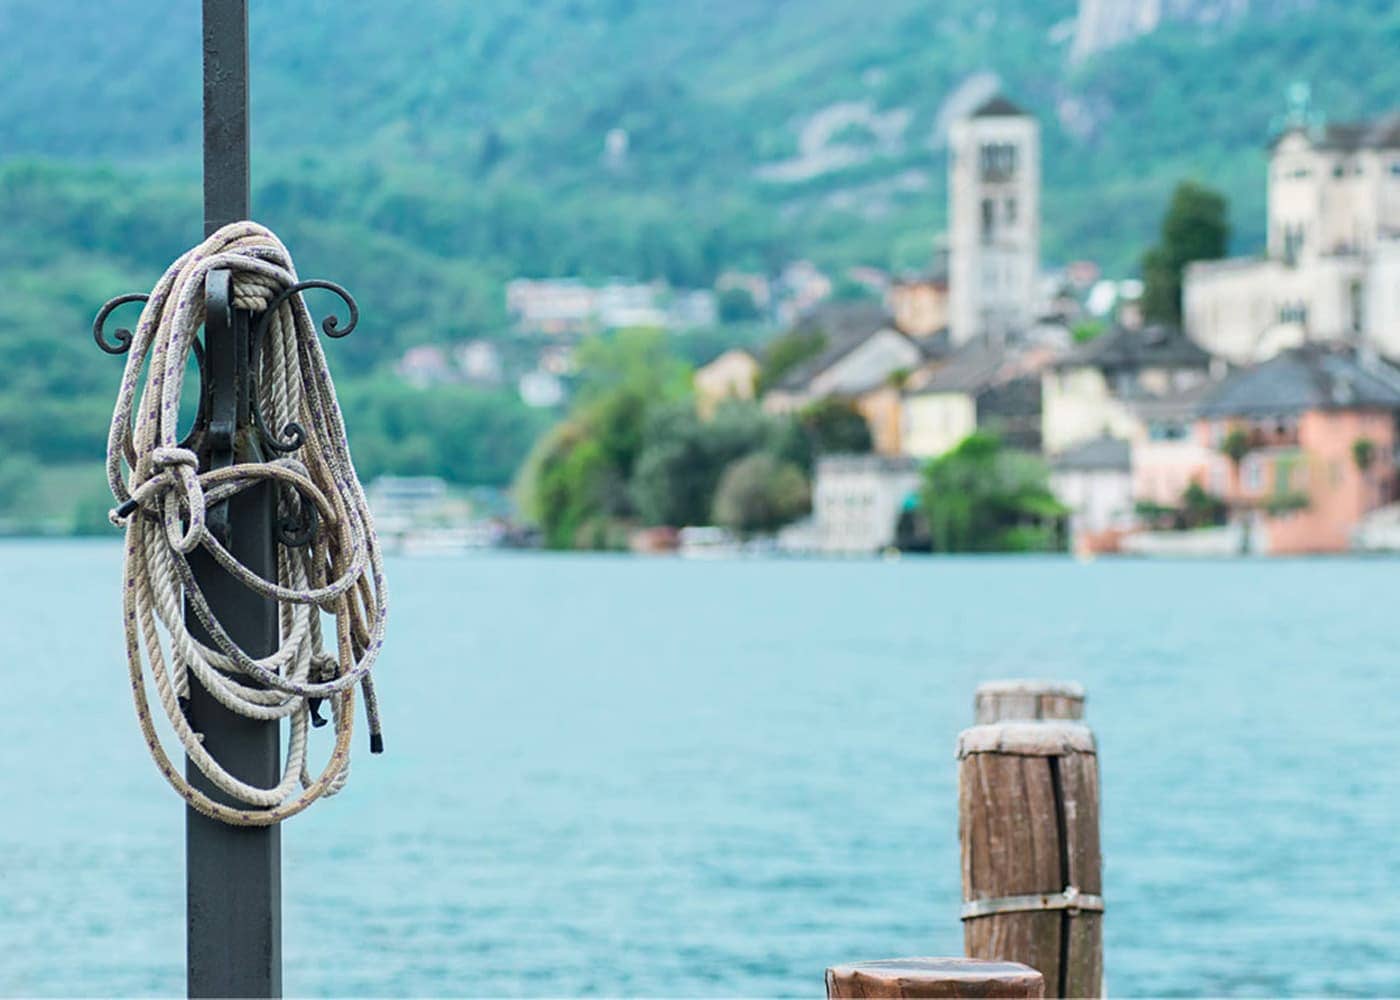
(1028, 803)
(933, 977)
(998, 701)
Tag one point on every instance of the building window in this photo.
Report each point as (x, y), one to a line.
(1253, 473)
(1010, 211)
(998, 161)
(988, 222)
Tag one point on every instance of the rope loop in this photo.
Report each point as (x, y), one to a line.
(162, 496)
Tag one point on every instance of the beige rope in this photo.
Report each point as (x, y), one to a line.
(167, 497)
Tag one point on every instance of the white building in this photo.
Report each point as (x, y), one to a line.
(857, 501)
(480, 361)
(552, 306)
(541, 389)
(1095, 481)
(994, 220)
(1332, 267)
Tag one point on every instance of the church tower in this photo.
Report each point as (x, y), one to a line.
(994, 221)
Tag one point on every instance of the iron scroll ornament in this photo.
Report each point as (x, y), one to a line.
(330, 326)
(121, 335)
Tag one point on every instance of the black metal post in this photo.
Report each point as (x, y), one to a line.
(233, 875)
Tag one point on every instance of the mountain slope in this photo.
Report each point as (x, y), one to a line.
(424, 153)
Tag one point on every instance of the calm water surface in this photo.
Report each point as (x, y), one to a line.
(620, 776)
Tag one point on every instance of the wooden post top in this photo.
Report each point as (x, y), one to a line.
(934, 977)
(1062, 689)
(1027, 739)
(997, 701)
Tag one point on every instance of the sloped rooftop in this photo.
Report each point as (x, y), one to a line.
(1155, 346)
(1311, 377)
(1102, 453)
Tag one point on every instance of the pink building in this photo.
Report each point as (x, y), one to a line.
(1168, 454)
(1320, 424)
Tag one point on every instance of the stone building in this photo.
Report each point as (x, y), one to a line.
(1331, 271)
(994, 221)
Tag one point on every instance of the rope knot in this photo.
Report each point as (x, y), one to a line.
(181, 465)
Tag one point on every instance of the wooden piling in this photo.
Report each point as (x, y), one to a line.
(933, 977)
(1004, 701)
(1028, 803)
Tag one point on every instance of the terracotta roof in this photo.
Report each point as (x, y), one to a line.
(1312, 377)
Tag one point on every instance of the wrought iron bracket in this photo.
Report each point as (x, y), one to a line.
(230, 360)
(224, 381)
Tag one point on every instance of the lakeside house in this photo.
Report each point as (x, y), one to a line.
(1320, 427)
(1094, 479)
(857, 501)
(865, 361)
(1331, 271)
(732, 375)
(1169, 456)
(1090, 391)
(985, 384)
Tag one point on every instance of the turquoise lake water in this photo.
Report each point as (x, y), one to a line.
(658, 777)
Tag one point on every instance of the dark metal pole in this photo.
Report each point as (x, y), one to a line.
(233, 875)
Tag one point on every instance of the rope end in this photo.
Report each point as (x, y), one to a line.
(125, 510)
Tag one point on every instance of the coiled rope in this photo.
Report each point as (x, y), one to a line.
(164, 504)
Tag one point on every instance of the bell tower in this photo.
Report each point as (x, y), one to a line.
(994, 221)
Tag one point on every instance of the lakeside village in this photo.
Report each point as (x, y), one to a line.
(996, 409)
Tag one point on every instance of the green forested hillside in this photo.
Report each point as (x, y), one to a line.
(423, 153)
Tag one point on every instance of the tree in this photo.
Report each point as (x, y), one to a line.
(736, 305)
(1086, 330)
(786, 352)
(568, 482)
(1363, 453)
(760, 493)
(1195, 227)
(1200, 508)
(833, 425)
(578, 474)
(980, 497)
(682, 457)
(1236, 447)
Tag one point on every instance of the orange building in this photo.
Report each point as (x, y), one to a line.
(1318, 430)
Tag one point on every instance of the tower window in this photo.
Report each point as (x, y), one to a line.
(998, 161)
(988, 222)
